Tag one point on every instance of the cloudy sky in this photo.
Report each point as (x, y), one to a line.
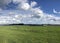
(30, 11)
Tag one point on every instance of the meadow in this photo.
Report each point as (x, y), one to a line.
(29, 34)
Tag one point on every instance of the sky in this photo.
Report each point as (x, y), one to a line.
(30, 11)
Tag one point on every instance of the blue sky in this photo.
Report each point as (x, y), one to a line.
(48, 5)
(30, 11)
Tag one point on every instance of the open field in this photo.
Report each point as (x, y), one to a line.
(29, 34)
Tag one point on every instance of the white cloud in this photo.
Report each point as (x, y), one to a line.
(25, 6)
(54, 11)
(28, 14)
(27, 18)
(19, 1)
(37, 12)
(33, 4)
(11, 13)
(18, 16)
(8, 20)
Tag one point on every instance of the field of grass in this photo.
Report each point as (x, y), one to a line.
(29, 34)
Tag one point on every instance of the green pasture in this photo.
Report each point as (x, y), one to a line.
(29, 34)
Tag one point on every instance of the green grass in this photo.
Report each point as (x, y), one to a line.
(29, 34)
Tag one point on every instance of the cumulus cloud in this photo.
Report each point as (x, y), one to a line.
(25, 6)
(28, 14)
(19, 1)
(33, 4)
(37, 11)
(8, 20)
(54, 11)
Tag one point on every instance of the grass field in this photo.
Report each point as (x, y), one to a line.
(29, 34)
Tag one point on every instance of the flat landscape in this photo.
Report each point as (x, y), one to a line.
(29, 34)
